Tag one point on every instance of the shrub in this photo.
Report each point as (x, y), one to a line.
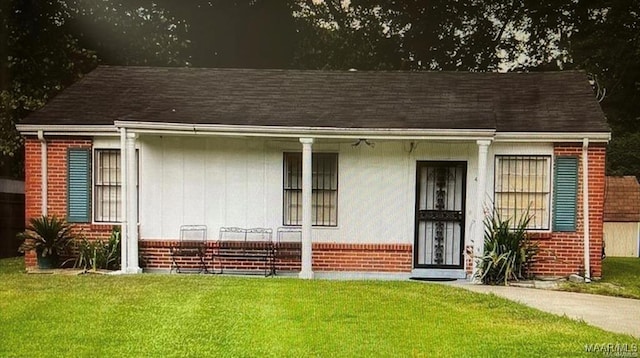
(508, 252)
(48, 236)
(99, 254)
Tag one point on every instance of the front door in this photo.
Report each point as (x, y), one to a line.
(439, 229)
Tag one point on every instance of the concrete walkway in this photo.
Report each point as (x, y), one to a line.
(620, 315)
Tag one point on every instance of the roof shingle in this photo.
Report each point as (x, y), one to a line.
(512, 102)
(622, 199)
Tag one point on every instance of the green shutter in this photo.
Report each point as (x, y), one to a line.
(79, 185)
(565, 192)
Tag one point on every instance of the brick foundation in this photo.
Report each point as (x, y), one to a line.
(326, 257)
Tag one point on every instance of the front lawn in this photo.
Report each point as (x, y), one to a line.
(620, 277)
(197, 315)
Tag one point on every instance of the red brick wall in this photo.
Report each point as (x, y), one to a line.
(362, 257)
(562, 253)
(326, 257)
(57, 185)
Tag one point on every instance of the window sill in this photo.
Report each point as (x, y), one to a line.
(312, 227)
(541, 235)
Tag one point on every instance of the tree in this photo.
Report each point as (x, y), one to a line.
(606, 43)
(38, 58)
(131, 32)
(430, 35)
(51, 43)
(46, 45)
(249, 33)
(601, 37)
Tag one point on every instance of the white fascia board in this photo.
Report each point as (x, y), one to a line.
(297, 132)
(541, 137)
(68, 130)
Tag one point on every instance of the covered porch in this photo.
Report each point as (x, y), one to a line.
(358, 217)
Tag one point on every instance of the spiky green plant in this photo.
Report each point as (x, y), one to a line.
(508, 251)
(48, 236)
(99, 254)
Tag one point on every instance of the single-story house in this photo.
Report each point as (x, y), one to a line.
(387, 174)
(622, 216)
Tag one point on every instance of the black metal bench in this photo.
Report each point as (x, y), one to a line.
(192, 244)
(238, 248)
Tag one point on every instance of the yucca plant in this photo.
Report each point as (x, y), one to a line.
(508, 251)
(99, 254)
(48, 236)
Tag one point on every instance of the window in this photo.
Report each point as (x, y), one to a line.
(522, 185)
(107, 198)
(324, 197)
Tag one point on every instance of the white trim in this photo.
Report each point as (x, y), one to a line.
(317, 132)
(65, 129)
(94, 197)
(297, 132)
(132, 204)
(481, 184)
(594, 137)
(306, 265)
(107, 142)
(124, 226)
(439, 273)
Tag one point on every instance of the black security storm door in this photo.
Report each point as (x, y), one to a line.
(439, 228)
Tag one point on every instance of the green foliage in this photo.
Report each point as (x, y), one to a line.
(133, 32)
(507, 250)
(47, 45)
(99, 254)
(431, 35)
(240, 34)
(46, 235)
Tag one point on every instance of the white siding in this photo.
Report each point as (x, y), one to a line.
(238, 182)
(206, 181)
(621, 239)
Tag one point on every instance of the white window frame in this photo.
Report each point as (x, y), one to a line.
(526, 190)
(117, 186)
(94, 174)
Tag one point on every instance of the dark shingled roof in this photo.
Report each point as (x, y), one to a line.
(511, 102)
(622, 199)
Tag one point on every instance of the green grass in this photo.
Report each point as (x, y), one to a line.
(620, 277)
(202, 315)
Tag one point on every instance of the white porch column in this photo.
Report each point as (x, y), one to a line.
(478, 235)
(306, 271)
(124, 233)
(132, 205)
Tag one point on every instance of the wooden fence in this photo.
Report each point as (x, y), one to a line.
(11, 216)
